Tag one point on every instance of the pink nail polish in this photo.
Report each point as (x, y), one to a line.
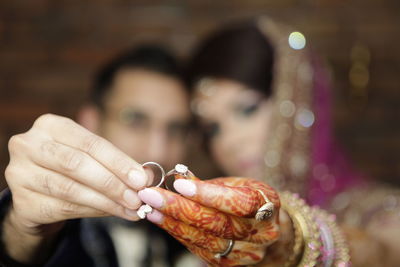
(151, 197)
(185, 187)
(155, 217)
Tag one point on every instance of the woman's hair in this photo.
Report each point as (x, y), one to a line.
(239, 52)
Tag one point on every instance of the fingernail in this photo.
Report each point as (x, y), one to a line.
(131, 213)
(131, 198)
(137, 179)
(155, 217)
(151, 197)
(185, 187)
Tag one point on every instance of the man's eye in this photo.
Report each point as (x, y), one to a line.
(137, 122)
(134, 119)
(212, 130)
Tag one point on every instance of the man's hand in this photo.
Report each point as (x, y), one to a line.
(58, 170)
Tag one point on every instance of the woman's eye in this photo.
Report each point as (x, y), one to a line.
(211, 130)
(248, 110)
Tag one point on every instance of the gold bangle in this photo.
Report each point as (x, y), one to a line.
(306, 249)
(318, 238)
(298, 245)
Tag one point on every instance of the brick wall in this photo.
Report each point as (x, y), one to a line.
(49, 50)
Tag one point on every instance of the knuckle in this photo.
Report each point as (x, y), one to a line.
(121, 164)
(109, 183)
(91, 144)
(71, 160)
(16, 142)
(65, 123)
(46, 211)
(44, 120)
(46, 184)
(10, 172)
(69, 209)
(49, 120)
(66, 189)
(48, 147)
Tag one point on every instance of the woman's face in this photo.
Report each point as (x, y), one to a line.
(236, 120)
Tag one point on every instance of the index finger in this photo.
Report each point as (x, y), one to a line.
(67, 132)
(241, 200)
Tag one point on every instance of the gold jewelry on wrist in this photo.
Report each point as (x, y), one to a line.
(306, 249)
(317, 237)
(335, 248)
(298, 245)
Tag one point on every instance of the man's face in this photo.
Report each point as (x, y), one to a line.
(147, 116)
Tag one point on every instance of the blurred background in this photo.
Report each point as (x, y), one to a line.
(49, 51)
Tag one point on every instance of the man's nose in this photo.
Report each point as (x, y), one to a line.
(158, 147)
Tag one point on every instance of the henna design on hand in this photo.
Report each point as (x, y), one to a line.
(222, 209)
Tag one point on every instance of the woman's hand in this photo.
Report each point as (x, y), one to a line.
(58, 170)
(209, 213)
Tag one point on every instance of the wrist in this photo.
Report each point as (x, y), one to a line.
(27, 244)
(314, 239)
(277, 253)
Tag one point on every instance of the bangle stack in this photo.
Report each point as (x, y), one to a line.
(318, 240)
